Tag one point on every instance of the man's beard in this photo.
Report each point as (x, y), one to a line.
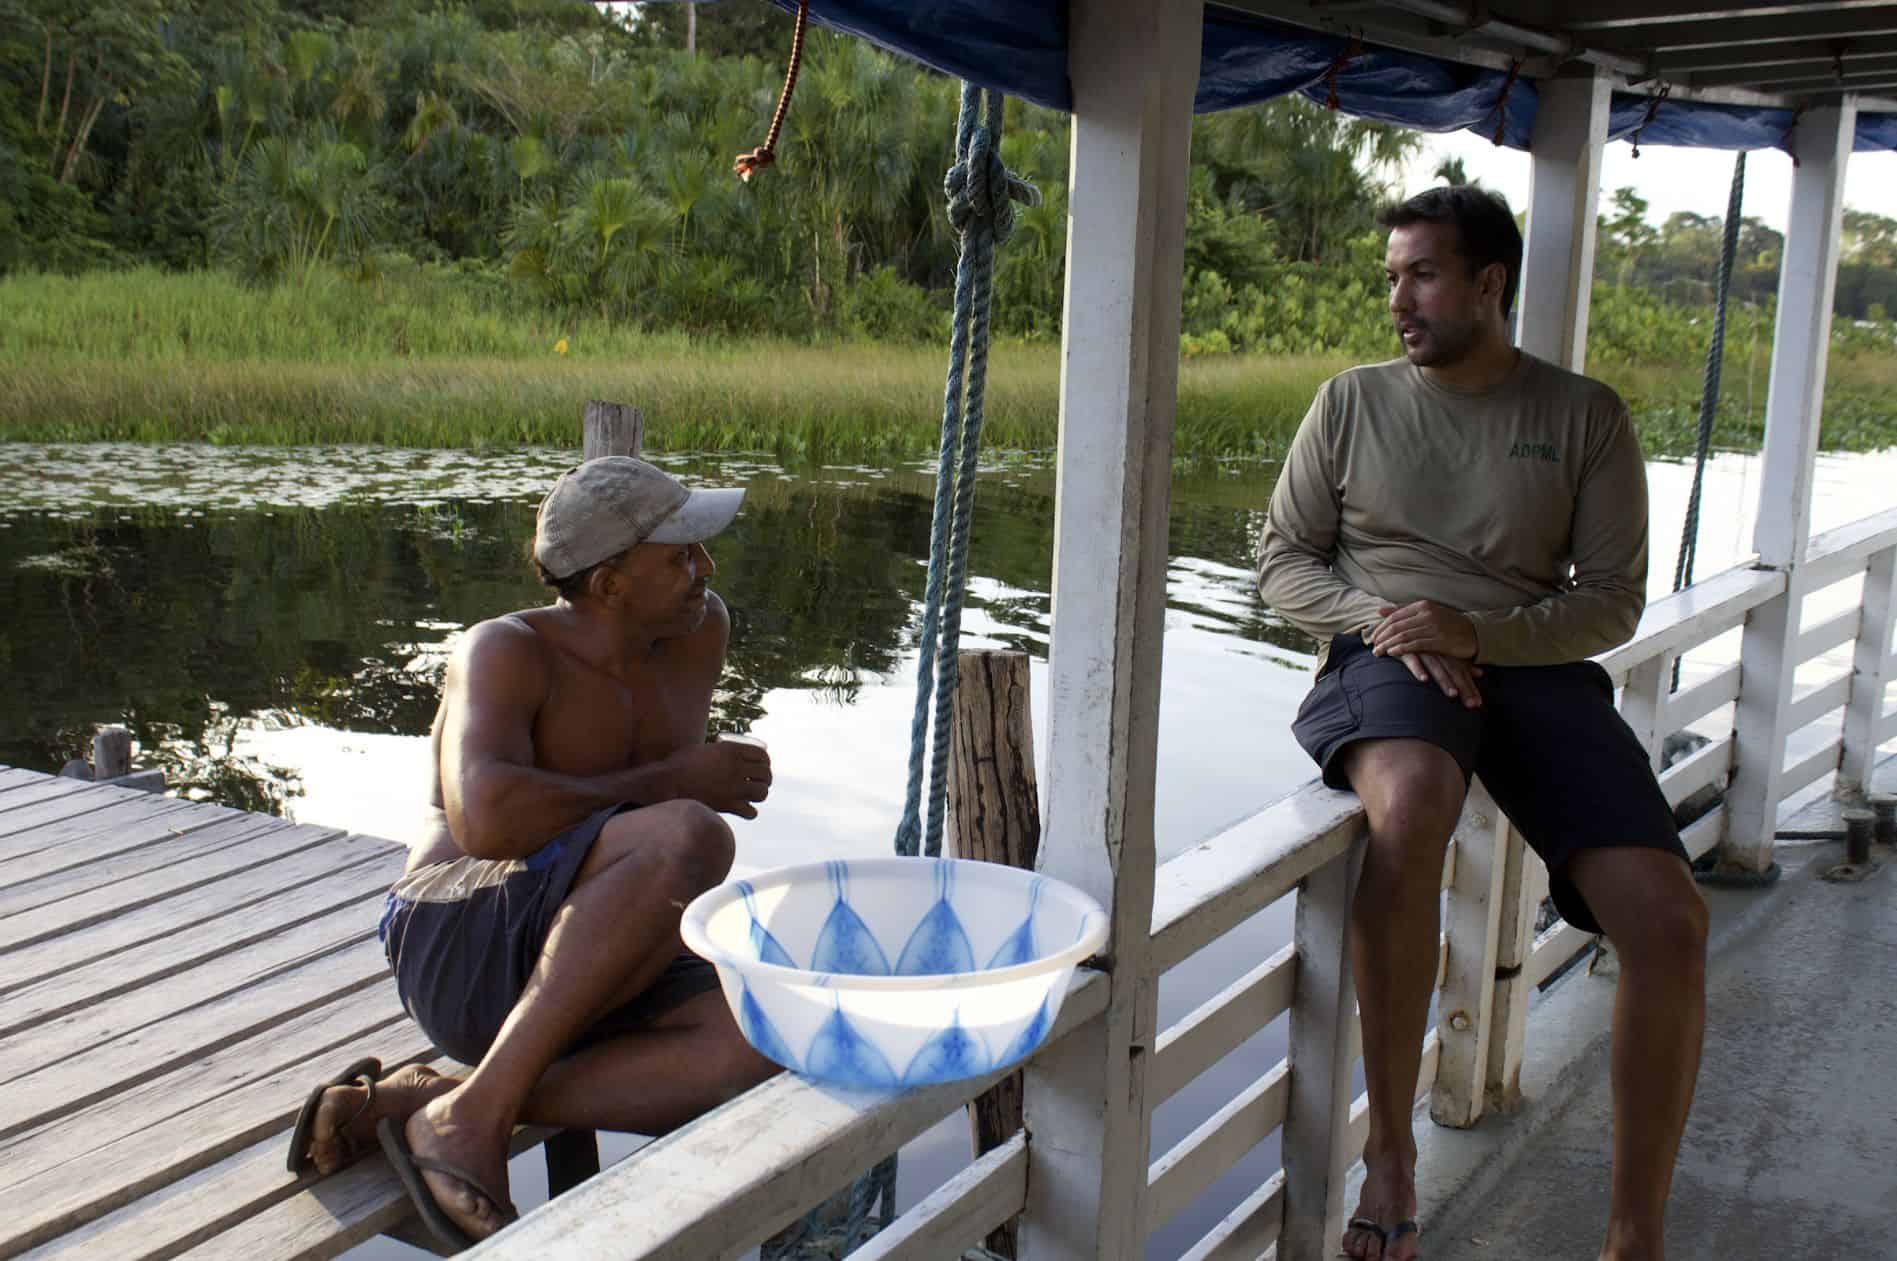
(1441, 344)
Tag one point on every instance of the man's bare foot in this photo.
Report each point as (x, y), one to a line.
(437, 1132)
(344, 1130)
(1388, 1197)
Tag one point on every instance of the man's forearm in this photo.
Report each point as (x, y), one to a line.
(1309, 594)
(1570, 626)
(510, 811)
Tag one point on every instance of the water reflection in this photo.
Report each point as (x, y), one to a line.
(229, 606)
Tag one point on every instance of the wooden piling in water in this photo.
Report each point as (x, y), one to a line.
(611, 429)
(995, 816)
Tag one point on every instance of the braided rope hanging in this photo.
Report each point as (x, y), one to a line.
(981, 196)
(1709, 393)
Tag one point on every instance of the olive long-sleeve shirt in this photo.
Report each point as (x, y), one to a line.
(1523, 506)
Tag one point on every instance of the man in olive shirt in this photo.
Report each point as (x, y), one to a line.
(1461, 529)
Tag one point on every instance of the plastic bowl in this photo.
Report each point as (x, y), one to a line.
(885, 973)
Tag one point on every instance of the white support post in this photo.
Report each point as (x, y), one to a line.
(1794, 403)
(1643, 704)
(1316, 1145)
(1134, 68)
(1564, 186)
(1464, 1013)
(1871, 671)
(1524, 885)
(1481, 1066)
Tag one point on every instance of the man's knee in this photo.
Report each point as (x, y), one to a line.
(1662, 921)
(1411, 789)
(688, 841)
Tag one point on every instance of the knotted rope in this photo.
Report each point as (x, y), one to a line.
(1709, 395)
(1352, 50)
(1501, 102)
(1653, 107)
(749, 164)
(981, 196)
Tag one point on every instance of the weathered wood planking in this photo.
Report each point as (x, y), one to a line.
(961, 1212)
(157, 839)
(337, 1213)
(83, 909)
(61, 1088)
(16, 776)
(96, 843)
(58, 1176)
(172, 916)
(354, 892)
(38, 804)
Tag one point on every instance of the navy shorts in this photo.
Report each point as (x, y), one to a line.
(1546, 740)
(464, 936)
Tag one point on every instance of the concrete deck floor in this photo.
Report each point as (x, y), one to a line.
(1791, 1148)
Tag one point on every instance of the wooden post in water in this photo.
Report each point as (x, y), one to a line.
(611, 429)
(995, 816)
(111, 753)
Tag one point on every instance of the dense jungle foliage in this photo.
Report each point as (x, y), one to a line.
(501, 177)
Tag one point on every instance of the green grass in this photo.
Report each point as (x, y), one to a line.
(450, 358)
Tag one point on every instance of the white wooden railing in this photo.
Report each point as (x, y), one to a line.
(741, 1173)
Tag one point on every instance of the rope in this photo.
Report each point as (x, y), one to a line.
(1653, 107)
(981, 196)
(749, 164)
(1709, 395)
(1353, 50)
(1501, 102)
(1791, 132)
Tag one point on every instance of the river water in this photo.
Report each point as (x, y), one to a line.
(272, 625)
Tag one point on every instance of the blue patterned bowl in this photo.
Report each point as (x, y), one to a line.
(884, 973)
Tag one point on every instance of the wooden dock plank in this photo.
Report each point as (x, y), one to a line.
(157, 838)
(247, 1207)
(151, 924)
(33, 804)
(95, 844)
(12, 777)
(221, 975)
(55, 1177)
(19, 778)
(354, 891)
(61, 1086)
(71, 914)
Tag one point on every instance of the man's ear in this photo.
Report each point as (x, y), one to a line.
(604, 583)
(1494, 281)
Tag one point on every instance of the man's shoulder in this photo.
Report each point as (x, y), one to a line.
(1553, 381)
(508, 642)
(1390, 374)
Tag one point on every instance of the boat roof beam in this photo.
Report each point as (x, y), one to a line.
(1782, 52)
(1768, 78)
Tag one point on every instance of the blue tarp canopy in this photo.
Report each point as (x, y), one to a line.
(1020, 46)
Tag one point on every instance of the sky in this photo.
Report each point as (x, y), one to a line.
(1669, 178)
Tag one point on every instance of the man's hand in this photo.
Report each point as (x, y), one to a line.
(726, 775)
(1454, 676)
(1423, 627)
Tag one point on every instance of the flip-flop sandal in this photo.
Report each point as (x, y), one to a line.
(1385, 1237)
(365, 1070)
(409, 1168)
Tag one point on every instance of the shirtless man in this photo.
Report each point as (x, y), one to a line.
(534, 934)
(1462, 528)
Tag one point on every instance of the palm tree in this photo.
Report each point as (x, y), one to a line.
(1450, 171)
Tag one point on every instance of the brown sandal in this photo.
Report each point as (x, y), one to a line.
(366, 1071)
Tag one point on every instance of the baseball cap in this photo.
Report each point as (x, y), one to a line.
(602, 507)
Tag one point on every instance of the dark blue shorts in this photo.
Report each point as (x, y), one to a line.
(1547, 742)
(464, 936)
